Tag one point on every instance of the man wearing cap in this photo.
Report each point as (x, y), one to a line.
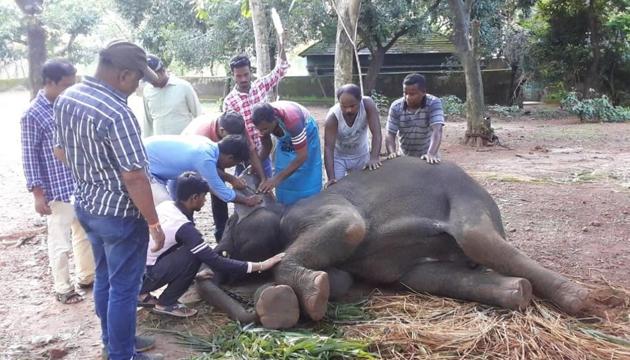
(170, 103)
(99, 137)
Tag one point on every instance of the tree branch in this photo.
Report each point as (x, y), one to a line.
(397, 35)
(65, 51)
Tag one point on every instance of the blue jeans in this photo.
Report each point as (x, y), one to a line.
(120, 252)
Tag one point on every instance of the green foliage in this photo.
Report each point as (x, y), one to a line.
(452, 105)
(595, 109)
(504, 111)
(382, 102)
(564, 46)
(67, 24)
(12, 44)
(246, 342)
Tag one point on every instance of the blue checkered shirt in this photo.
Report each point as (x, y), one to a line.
(101, 138)
(41, 168)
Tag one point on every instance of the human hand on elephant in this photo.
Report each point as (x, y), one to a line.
(373, 164)
(238, 183)
(431, 158)
(269, 263)
(268, 185)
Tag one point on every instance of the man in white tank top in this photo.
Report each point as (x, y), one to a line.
(346, 145)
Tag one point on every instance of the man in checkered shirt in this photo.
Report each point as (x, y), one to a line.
(52, 185)
(246, 94)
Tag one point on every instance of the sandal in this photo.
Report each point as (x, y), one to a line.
(71, 297)
(147, 301)
(177, 310)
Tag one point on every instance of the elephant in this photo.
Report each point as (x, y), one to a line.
(431, 228)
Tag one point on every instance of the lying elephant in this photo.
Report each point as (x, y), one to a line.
(425, 226)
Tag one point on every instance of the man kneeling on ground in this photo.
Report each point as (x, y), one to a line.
(177, 263)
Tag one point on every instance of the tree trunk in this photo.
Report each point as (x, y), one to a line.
(36, 37)
(592, 77)
(466, 33)
(378, 55)
(261, 25)
(348, 14)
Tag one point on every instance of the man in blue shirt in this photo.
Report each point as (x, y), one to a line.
(172, 155)
(99, 137)
(52, 185)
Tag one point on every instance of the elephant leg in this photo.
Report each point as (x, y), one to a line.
(277, 306)
(460, 282)
(316, 249)
(483, 243)
(216, 297)
(340, 282)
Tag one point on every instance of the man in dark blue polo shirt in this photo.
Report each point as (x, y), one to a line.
(99, 137)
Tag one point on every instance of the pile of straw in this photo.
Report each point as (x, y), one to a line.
(421, 326)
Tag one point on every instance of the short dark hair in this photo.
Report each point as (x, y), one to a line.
(235, 145)
(351, 89)
(263, 112)
(416, 79)
(189, 184)
(240, 61)
(232, 122)
(56, 69)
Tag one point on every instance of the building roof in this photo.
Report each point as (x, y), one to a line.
(434, 43)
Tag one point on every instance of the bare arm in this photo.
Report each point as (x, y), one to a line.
(254, 160)
(374, 124)
(436, 139)
(267, 144)
(139, 188)
(147, 126)
(390, 145)
(300, 158)
(330, 137)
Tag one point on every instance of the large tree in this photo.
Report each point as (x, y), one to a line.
(36, 40)
(466, 40)
(383, 22)
(345, 45)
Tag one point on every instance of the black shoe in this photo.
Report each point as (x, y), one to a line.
(143, 343)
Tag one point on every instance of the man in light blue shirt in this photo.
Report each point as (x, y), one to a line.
(172, 155)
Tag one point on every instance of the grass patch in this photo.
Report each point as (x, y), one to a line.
(249, 342)
(509, 178)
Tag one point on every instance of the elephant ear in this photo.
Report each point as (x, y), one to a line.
(226, 246)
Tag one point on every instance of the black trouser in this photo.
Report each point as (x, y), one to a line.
(177, 269)
(219, 215)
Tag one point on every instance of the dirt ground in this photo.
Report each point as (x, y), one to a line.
(563, 189)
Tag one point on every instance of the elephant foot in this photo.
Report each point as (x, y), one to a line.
(571, 298)
(315, 298)
(516, 294)
(277, 307)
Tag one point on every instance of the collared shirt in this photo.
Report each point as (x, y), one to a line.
(414, 127)
(101, 138)
(243, 102)
(168, 110)
(172, 155)
(293, 117)
(41, 167)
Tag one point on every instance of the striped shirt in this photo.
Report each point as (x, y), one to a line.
(414, 127)
(243, 103)
(101, 138)
(41, 167)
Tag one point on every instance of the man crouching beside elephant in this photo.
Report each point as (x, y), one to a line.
(443, 237)
(177, 263)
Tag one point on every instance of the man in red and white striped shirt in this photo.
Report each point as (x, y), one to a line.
(246, 94)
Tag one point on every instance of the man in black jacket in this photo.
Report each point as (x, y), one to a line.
(177, 263)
